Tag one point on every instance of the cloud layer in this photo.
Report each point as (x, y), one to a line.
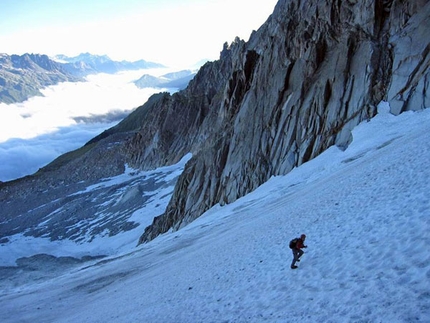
(35, 132)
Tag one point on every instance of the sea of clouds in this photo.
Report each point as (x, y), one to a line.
(35, 132)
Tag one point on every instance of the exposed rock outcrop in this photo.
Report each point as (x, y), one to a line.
(409, 45)
(300, 84)
(173, 124)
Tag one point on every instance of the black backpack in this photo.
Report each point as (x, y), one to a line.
(293, 243)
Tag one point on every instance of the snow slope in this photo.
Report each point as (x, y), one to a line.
(110, 219)
(366, 213)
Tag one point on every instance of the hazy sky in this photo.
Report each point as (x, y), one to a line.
(172, 32)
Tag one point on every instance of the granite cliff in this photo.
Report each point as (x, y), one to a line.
(300, 84)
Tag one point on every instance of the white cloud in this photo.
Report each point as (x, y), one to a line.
(20, 157)
(62, 103)
(40, 129)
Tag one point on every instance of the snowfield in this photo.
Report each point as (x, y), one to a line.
(366, 214)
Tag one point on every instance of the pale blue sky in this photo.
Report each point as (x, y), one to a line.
(173, 32)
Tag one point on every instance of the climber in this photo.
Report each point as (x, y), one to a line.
(296, 246)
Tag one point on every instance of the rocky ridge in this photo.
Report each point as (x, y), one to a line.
(301, 83)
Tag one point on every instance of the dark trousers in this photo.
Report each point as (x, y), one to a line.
(297, 253)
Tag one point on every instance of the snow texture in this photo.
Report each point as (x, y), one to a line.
(366, 214)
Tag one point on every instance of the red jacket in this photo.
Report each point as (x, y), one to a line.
(299, 244)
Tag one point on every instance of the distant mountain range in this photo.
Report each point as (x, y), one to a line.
(23, 76)
(177, 80)
(87, 63)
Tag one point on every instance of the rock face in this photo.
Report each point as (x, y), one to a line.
(300, 84)
(177, 124)
(410, 54)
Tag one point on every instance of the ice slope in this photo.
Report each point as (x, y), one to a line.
(366, 213)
